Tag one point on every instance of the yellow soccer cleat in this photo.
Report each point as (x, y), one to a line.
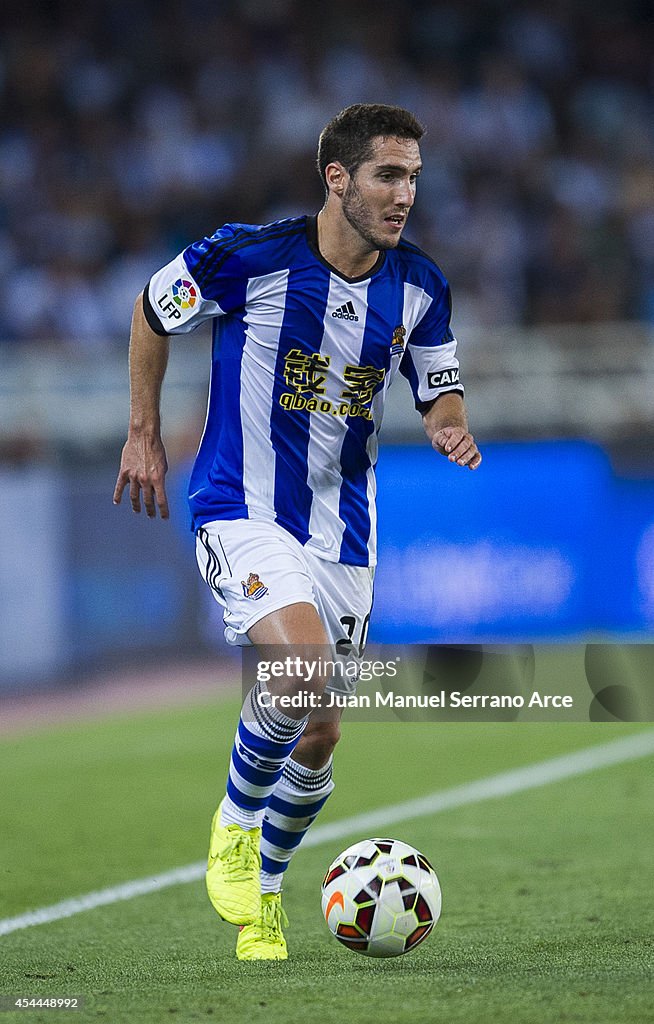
(264, 938)
(233, 872)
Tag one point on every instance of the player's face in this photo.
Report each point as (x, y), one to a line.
(382, 190)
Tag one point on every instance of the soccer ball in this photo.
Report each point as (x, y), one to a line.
(381, 897)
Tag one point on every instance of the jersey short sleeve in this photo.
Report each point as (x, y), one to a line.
(429, 362)
(206, 280)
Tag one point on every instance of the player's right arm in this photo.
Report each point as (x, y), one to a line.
(206, 280)
(143, 463)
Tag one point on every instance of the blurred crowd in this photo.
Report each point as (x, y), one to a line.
(129, 128)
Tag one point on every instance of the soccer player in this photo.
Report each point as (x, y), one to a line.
(312, 319)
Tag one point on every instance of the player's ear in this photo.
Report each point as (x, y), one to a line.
(336, 177)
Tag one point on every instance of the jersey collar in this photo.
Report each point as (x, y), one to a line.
(312, 240)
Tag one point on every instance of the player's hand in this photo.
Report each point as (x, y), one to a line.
(458, 446)
(143, 467)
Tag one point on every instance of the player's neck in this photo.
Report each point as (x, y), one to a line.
(342, 246)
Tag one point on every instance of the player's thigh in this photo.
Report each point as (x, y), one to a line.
(294, 625)
(258, 574)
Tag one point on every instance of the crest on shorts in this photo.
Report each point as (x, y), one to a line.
(397, 341)
(253, 587)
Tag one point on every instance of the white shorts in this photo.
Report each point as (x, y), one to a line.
(254, 567)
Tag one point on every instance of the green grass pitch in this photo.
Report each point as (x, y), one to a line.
(546, 893)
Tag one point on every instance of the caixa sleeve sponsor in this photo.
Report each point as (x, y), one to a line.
(441, 378)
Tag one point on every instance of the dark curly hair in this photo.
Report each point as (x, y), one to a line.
(349, 136)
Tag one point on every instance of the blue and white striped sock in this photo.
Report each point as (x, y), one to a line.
(265, 739)
(298, 798)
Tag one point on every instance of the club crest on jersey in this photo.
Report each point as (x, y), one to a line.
(441, 378)
(397, 341)
(253, 587)
(184, 294)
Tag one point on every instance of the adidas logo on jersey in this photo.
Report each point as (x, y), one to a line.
(345, 312)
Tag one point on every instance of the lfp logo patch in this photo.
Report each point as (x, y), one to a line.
(184, 294)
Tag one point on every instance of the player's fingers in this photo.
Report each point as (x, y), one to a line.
(445, 439)
(121, 484)
(162, 500)
(466, 457)
(135, 494)
(455, 440)
(475, 461)
(456, 452)
(148, 499)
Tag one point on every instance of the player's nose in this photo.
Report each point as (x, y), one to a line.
(405, 194)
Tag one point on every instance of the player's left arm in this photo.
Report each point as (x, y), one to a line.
(446, 426)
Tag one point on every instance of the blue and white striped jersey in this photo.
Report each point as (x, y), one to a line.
(302, 360)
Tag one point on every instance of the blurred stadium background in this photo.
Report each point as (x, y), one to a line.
(130, 129)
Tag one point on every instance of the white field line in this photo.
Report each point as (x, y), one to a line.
(566, 766)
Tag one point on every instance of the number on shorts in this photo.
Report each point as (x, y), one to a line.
(348, 645)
